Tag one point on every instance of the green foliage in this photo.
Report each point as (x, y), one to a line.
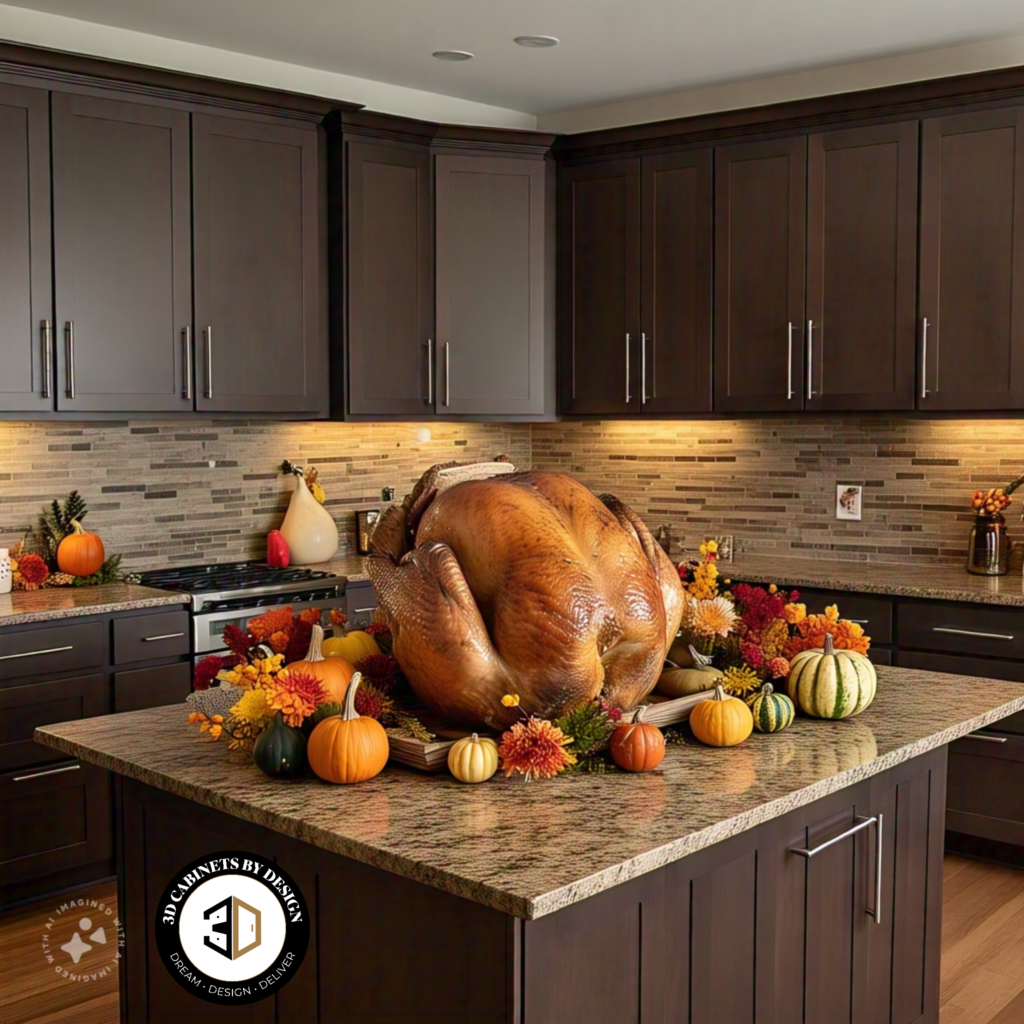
(590, 728)
(55, 524)
(107, 574)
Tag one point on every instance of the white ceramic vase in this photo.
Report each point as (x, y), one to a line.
(309, 528)
(6, 579)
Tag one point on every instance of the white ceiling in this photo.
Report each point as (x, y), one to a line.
(611, 49)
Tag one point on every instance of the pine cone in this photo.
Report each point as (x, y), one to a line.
(60, 579)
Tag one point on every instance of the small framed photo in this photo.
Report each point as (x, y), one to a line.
(848, 501)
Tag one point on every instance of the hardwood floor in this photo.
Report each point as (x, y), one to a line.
(982, 953)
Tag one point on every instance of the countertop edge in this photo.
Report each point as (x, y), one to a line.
(26, 618)
(533, 907)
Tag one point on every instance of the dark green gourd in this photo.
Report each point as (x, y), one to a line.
(280, 750)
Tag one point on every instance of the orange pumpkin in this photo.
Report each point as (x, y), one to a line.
(637, 746)
(334, 673)
(80, 553)
(722, 721)
(348, 747)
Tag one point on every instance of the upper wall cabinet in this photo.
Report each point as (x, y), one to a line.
(635, 285)
(122, 255)
(261, 340)
(972, 261)
(26, 296)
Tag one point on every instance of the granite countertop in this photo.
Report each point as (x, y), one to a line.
(935, 582)
(531, 848)
(352, 566)
(24, 606)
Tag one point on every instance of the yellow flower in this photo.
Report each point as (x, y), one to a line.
(712, 572)
(832, 613)
(252, 707)
(773, 589)
(510, 700)
(794, 613)
(711, 546)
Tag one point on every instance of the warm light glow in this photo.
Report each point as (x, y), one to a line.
(422, 434)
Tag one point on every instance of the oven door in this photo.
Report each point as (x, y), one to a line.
(208, 627)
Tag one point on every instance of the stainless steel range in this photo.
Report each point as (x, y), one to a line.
(236, 593)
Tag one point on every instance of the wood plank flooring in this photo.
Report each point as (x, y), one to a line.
(982, 955)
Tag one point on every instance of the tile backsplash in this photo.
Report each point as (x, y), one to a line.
(162, 492)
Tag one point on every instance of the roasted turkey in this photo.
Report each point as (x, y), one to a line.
(522, 583)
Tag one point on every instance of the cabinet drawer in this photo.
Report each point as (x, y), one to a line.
(24, 708)
(152, 687)
(148, 637)
(873, 613)
(63, 820)
(985, 794)
(63, 648)
(962, 629)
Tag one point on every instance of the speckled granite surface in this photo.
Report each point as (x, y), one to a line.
(939, 583)
(24, 606)
(352, 566)
(532, 848)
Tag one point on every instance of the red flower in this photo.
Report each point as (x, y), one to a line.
(33, 569)
(238, 641)
(381, 670)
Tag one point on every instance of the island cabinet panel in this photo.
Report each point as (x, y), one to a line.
(26, 283)
(972, 261)
(760, 232)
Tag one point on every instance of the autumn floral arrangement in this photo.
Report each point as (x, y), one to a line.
(990, 504)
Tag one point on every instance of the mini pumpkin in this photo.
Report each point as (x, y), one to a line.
(348, 747)
(354, 646)
(280, 750)
(637, 746)
(80, 553)
(772, 711)
(721, 721)
(679, 681)
(473, 759)
(335, 673)
(831, 683)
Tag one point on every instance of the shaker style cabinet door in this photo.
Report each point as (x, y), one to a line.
(491, 287)
(26, 288)
(861, 268)
(390, 269)
(971, 327)
(676, 283)
(599, 287)
(760, 215)
(122, 255)
(260, 337)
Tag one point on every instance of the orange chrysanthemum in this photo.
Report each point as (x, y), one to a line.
(296, 695)
(535, 748)
(32, 571)
(279, 641)
(795, 613)
(846, 635)
(311, 616)
(277, 620)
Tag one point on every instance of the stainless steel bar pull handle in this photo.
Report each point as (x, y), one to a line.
(49, 771)
(208, 335)
(862, 823)
(186, 344)
(69, 347)
(162, 636)
(860, 622)
(971, 632)
(629, 397)
(810, 359)
(47, 331)
(430, 371)
(924, 358)
(643, 368)
(447, 375)
(37, 654)
(986, 737)
(789, 365)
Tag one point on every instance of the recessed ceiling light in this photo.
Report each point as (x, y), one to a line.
(452, 55)
(537, 42)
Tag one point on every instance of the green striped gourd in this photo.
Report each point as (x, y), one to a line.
(772, 711)
(831, 683)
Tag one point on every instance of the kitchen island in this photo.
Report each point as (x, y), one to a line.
(671, 896)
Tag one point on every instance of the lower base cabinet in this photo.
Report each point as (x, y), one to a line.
(744, 931)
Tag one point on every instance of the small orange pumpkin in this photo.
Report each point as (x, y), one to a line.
(637, 746)
(334, 673)
(348, 747)
(721, 721)
(80, 553)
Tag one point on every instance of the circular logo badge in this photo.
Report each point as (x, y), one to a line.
(232, 928)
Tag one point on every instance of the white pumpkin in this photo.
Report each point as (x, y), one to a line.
(473, 759)
(831, 684)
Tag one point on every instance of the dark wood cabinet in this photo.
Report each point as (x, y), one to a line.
(122, 255)
(492, 287)
(972, 261)
(760, 232)
(861, 268)
(261, 337)
(26, 281)
(390, 272)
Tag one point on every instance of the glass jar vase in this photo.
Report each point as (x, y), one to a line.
(988, 551)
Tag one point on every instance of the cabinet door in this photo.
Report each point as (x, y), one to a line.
(972, 261)
(861, 268)
(261, 340)
(491, 285)
(122, 255)
(760, 216)
(390, 270)
(676, 280)
(26, 281)
(599, 275)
